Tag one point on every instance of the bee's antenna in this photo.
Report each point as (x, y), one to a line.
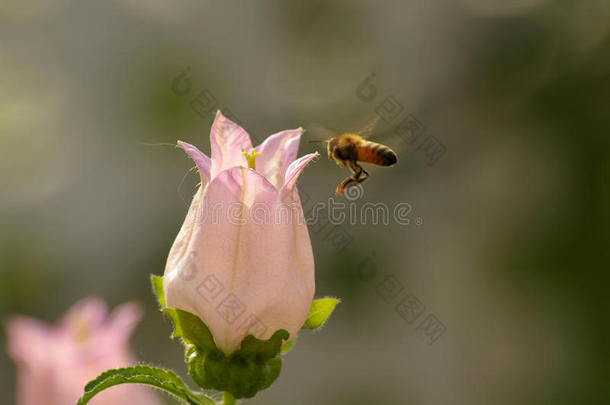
(318, 140)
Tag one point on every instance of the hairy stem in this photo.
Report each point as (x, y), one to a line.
(228, 398)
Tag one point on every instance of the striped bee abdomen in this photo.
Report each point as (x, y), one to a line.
(376, 153)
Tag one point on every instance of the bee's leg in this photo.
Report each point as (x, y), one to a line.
(359, 173)
(364, 175)
(347, 183)
(355, 168)
(358, 176)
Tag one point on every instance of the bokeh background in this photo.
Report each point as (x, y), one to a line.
(508, 240)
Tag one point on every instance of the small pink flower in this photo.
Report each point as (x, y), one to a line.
(242, 260)
(54, 363)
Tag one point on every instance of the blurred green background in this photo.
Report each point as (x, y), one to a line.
(512, 251)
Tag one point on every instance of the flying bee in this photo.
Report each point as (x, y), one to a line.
(349, 149)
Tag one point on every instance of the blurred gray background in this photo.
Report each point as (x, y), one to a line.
(508, 240)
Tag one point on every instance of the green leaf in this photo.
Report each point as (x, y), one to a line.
(163, 379)
(319, 312)
(157, 284)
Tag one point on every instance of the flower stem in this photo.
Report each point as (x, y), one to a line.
(228, 398)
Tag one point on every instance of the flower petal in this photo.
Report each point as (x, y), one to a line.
(89, 311)
(123, 321)
(277, 152)
(203, 162)
(227, 140)
(294, 171)
(26, 338)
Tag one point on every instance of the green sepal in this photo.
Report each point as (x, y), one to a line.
(288, 345)
(191, 329)
(157, 285)
(251, 368)
(319, 312)
(164, 380)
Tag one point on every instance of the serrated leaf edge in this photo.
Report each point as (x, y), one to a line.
(162, 379)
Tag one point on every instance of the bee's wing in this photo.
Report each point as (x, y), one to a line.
(377, 133)
(318, 133)
(365, 130)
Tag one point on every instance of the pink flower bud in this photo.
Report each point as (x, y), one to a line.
(243, 261)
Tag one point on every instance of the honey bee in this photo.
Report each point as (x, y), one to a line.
(349, 149)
